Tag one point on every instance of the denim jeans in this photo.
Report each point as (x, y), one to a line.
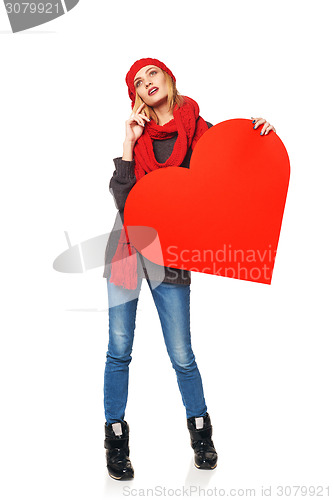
(173, 305)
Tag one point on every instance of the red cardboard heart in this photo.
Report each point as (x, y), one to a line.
(221, 216)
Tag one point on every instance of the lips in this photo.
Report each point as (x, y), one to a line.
(152, 91)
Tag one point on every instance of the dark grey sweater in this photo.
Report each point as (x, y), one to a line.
(122, 181)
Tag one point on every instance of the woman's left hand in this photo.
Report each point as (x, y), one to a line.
(267, 127)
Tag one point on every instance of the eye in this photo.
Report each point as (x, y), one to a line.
(153, 72)
(138, 83)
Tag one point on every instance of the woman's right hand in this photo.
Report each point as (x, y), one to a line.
(135, 125)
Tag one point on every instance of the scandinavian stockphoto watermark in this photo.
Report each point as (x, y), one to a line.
(249, 264)
(23, 15)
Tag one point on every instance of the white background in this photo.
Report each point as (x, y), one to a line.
(264, 352)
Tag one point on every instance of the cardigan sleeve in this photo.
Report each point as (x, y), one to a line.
(122, 181)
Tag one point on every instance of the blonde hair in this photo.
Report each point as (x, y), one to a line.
(174, 98)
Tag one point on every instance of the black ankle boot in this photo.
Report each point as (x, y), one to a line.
(205, 456)
(117, 451)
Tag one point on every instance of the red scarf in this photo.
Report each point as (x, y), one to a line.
(190, 127)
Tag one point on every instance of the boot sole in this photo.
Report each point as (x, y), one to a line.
(205, 466)
(126, 475)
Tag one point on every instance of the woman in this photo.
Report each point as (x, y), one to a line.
(162, 131)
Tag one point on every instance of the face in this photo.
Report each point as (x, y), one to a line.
(150, 84)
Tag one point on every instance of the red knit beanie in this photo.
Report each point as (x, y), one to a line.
(136, 67)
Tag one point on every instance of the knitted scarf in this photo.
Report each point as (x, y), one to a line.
(189, 126)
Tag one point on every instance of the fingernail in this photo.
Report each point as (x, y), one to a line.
(260, 133)
(253, 121)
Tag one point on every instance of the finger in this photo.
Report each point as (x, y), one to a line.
(268, 129)
(255, 121)
(259, 121)
(264, 128)
(139, 121)
(140, 108)
(144, 117)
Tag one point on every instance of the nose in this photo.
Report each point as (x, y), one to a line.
(147, 84)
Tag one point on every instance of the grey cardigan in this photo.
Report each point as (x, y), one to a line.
(122, 181)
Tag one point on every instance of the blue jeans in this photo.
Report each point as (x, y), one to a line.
(173, 305)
